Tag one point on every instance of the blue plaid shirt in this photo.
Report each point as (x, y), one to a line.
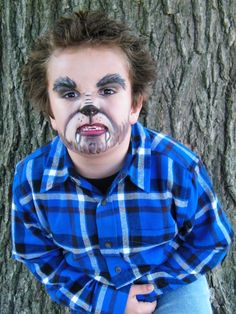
(160, 222)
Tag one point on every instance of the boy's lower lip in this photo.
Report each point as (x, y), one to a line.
(92, 133)
(92, 130)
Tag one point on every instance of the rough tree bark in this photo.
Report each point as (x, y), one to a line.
(194, 99)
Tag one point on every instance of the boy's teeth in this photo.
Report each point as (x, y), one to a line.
(107, 136)
(92, 127)
(77, 138)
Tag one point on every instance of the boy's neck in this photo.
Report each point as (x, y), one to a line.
(101, 165)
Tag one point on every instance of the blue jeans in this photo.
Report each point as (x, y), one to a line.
(192, 298)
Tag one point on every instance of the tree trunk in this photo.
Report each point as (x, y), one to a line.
(194, 100)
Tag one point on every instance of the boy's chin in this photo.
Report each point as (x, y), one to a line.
(92, 145)
(91, 148)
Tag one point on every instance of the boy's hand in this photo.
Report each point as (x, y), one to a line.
(134, 306)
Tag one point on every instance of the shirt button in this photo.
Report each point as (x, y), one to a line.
(104, 201)
(117, 269)
(108, 244)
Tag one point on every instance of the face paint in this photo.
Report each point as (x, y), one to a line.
(92, 131)
(89, 129)
(111, 79)
(90, 95)
(63, 82)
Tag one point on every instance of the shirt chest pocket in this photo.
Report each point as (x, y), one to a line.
(151, 228)
(151, 219)
(146, 237)
(150, 246)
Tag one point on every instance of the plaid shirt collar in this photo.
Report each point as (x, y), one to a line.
(58, 165)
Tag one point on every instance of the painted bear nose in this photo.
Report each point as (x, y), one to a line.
(89, 110)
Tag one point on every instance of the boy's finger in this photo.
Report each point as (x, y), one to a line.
(147, 307)
(141, 289)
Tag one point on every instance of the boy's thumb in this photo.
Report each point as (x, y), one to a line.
(142, 289)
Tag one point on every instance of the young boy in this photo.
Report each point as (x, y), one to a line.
(110, 216)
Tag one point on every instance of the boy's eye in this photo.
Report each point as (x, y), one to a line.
(107, 91)
(71, 95)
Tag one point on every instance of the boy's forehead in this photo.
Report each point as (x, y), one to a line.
(87, 53)
(94, 63)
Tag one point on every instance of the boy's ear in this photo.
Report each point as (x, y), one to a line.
(53, 123)
(136, 108)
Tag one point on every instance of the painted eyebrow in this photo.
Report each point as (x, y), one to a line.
(111, 79)
(63, 82)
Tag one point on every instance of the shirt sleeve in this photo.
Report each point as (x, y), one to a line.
(202, 241)
(66, 285)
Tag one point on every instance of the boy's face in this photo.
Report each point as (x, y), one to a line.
(90, 96)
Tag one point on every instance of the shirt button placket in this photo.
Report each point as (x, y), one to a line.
(108, 244)
(104, 202)
(118, 269)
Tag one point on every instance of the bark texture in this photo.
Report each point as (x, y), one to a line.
(194, 100)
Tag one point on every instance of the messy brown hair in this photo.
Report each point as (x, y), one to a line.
(87, 28)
